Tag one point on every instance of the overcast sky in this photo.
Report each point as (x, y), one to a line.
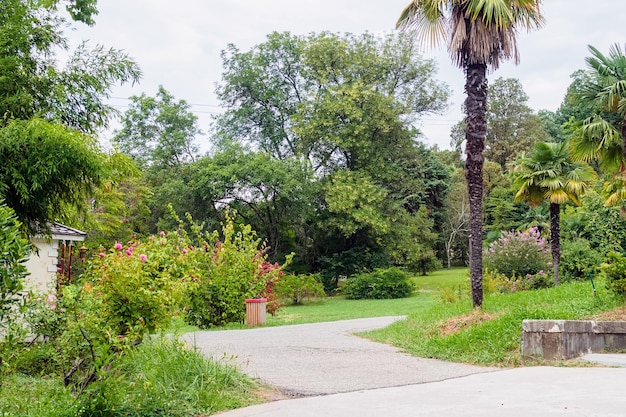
(178, 44)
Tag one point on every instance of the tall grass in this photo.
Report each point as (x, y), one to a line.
(159, 378)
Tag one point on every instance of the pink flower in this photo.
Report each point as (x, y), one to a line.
(143, 257)
(184, 251)
(102, 255)
(129, 252)
(162, 233)
(118, 246)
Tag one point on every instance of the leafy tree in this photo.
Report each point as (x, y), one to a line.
(79, 10)
(47, 113)
(549, 173)
(47, 169)
(159, 131)
(32, 84)
(333, 100)
(274, 196)
(512, 126)
(479, 34)
(602, 225)
(342, 106)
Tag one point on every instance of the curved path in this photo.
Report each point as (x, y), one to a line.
(323, 358)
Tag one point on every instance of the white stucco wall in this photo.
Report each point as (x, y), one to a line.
(42, 266)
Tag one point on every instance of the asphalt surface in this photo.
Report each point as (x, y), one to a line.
(339, 374)
(323, 358)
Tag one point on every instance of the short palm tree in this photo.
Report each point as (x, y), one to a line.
(602, 136)
(478, 33)
(550, 174)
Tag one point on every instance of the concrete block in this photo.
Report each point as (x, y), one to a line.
(566, 339)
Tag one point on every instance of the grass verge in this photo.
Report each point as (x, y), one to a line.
(159, 378)
(491, 336)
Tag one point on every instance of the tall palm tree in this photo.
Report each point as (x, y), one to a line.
(602, 136)
(550, 174)
(478, 33)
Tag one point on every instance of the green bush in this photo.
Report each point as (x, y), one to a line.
(518, 254)
(299, 287)
(379, 284)
(494, 282)
(14, 251)
(614, 270)
(235, 269)
(579, 260)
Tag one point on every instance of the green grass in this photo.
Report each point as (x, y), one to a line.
(495, 341)
(159, 378)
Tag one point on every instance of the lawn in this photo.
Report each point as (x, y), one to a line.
(491, 336)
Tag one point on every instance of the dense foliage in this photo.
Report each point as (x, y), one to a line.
(614, 270)
(517, 254)
(14, 251)
(378, 284)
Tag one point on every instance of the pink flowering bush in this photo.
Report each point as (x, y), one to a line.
(519, 255)
(135, 288)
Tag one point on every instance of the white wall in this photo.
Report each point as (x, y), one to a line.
(42, 266)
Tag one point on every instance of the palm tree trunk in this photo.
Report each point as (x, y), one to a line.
(475, 133)
(555, 239)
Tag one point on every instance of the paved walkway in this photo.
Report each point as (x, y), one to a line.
(344, 375)
(323, 358)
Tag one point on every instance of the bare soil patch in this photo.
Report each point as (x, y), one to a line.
(456, 324)
(617, 314)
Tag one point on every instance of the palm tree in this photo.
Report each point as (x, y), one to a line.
(602, 136)
(478, 33)
(549, 174)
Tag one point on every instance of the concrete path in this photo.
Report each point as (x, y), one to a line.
(521, 392)
(323, 358)
(344, 375)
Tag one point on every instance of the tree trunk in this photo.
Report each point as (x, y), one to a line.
(555, 239)
(475, 133)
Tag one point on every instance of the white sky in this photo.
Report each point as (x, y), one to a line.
(178, 44)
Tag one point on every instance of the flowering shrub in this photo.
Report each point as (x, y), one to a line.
(235, 270)
(134, 288)
(494, 282)
(518, 254)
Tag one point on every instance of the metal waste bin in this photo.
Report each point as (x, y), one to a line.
(256, 309)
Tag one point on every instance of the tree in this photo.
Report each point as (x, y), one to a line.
(479, 34)
(549, 173)
(33, 85)
(362, 91)
(159, 131)
(47, 170)
(602, 135)
(14, 251)
(456, 223)
(512, 126)
(51, 161)
(343, 107)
